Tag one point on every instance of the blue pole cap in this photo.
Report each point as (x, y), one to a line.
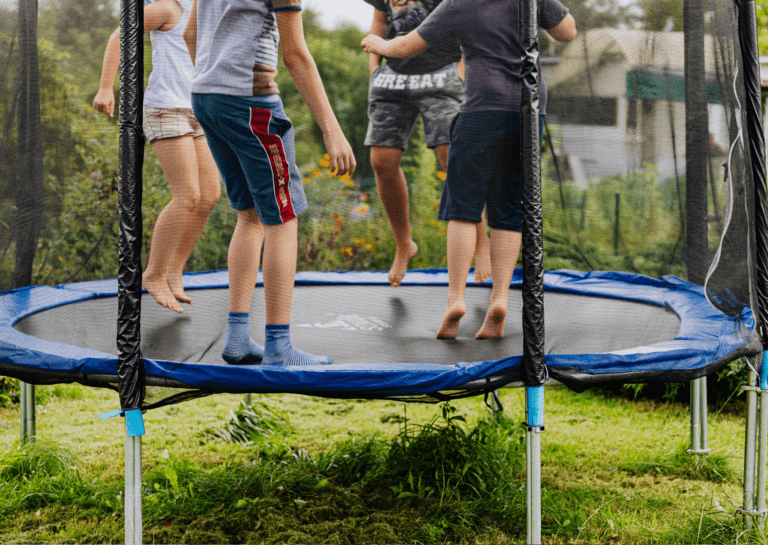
(134, 423)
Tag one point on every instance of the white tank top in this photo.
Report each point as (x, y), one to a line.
(170, 82)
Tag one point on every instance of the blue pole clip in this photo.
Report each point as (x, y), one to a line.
(764, 372)
(534, 406)
(134, 421)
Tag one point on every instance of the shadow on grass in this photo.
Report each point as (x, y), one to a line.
(713, 468)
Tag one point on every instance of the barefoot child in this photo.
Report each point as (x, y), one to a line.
(428, 85)
(178, 140)
(484, 167)
(234, 45)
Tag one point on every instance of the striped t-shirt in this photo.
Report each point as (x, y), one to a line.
(237, 46)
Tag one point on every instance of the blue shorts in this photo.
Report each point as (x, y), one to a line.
(251, 140)
(485, 170)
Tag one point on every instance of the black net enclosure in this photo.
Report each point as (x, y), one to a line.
(645, 169)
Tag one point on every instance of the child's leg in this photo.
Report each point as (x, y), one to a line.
(244, 253)
(505, 247)
(174, 155)
(482, 244)
(279, 269)
(393, 191)
(210, 192)
(461, 248)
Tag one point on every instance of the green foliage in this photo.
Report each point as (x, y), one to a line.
(712, 467)
(9, 391)
(253, 423)
(443, 459)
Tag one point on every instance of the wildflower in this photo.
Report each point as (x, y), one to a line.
(435, 223)
(369, 246)
(344, 177)
(327, 157)
(347, 251)
(324, 163)
(440, 174)
(436, 205)
(305, 181)
(359, 241)
(316, 172)
(442, 232)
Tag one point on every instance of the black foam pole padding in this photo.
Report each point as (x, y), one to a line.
(130, 368)
(535, 371)
(751, 63)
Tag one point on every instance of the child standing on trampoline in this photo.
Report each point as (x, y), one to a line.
(484, 164)
(234, 47)
(179, 144)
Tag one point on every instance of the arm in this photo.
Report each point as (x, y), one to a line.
(378, 28)
(565, 30)
(190, 32)
(402, 46)
(156, 16)
(301, 66)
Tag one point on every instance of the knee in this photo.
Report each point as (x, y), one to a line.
(188, 200)
(385, 164)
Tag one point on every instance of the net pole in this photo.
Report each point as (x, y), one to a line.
(130, 368)
(747, 27)
(535, 372)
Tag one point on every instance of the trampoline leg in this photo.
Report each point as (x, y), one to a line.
(133, 497)
(749, 450)
(699, 416)
(762, 442)
(534, 407)
(27, 411)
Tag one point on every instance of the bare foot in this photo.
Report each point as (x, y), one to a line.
(400, 264)
(482, 264)
(493, 326)
(176, 285)
(160, 291)
(449, 327)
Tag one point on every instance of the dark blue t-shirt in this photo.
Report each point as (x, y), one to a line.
(490, 40)
(403, 20)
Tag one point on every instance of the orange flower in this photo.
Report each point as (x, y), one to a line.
(440, 174)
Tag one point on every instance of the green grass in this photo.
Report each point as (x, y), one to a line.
(294, 469)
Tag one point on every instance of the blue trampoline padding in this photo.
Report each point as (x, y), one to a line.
(706, 335)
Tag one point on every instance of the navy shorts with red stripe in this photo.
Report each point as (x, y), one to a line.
(251, 140)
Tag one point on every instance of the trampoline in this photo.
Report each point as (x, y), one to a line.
(653, 162)
(601, 327)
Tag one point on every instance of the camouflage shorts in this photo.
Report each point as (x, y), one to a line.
(396, 100)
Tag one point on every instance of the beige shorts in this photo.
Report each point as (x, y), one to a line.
(170, 123)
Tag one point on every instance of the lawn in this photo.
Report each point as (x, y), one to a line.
(337, 471)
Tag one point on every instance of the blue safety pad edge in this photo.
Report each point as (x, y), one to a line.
(706, 335)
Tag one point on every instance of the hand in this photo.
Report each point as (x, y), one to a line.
(105, 102)
(340, 152)
(373, 44)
